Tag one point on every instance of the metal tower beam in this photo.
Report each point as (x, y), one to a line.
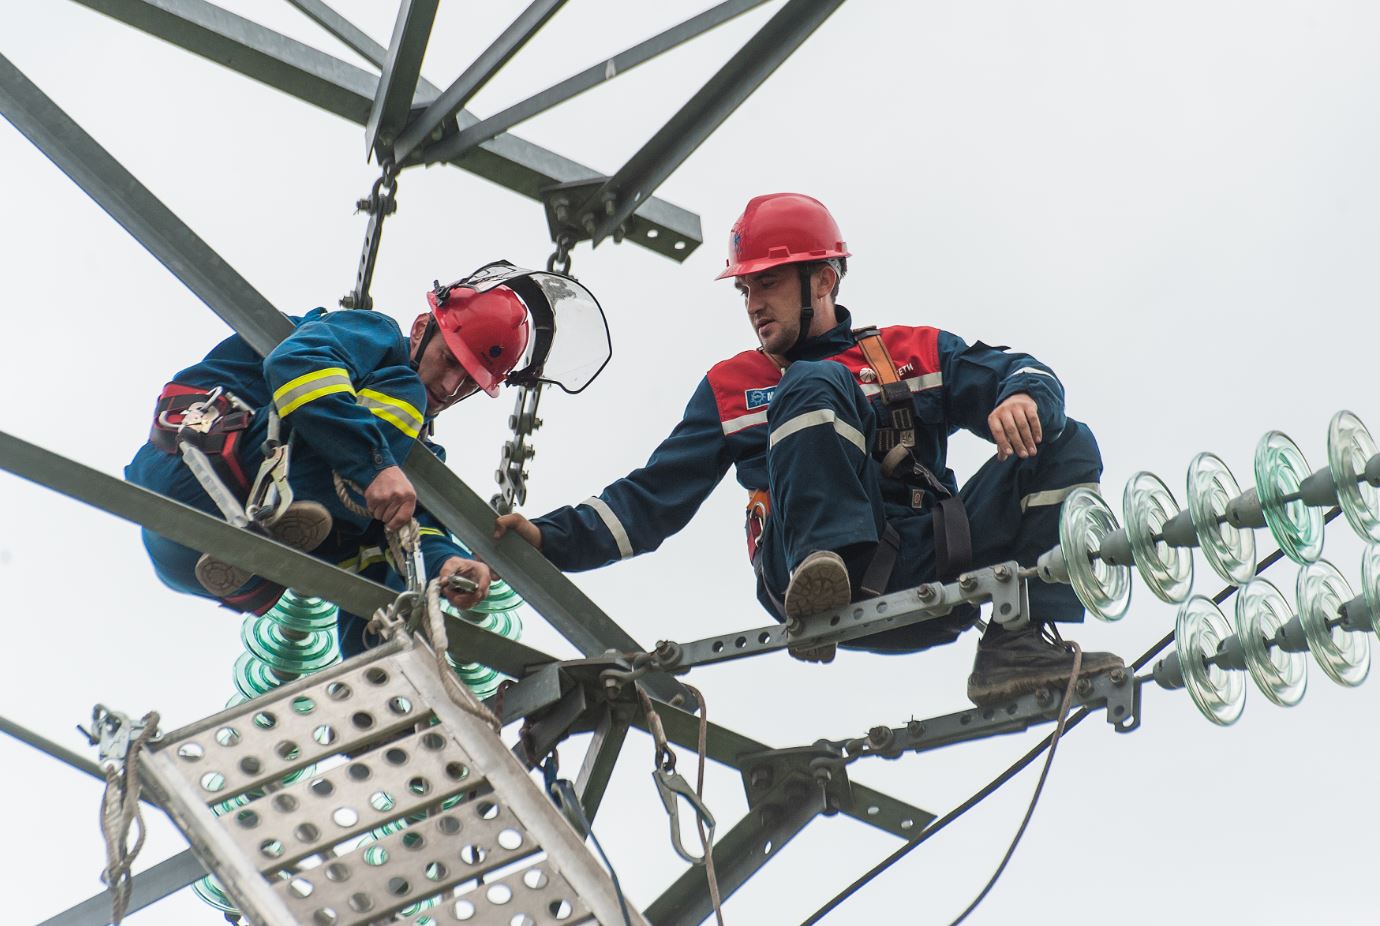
(351, 35)
(347, 91)
(167, 877)
(624, 61)
(706, 111)
(453, 100)
(398, 82)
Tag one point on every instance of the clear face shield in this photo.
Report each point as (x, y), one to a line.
(570, 344)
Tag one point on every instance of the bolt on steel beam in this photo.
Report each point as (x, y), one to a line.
(606, 70)
(398, 83)
(474, 77)
(348, 91)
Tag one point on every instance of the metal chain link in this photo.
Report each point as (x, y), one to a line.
(561, 256)
(379, 204)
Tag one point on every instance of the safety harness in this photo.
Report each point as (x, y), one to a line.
(205, 428)
(953, 545)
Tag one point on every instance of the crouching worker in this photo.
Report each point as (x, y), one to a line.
(840, 436)
(343, 398)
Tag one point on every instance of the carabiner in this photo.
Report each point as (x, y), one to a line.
(670, 785)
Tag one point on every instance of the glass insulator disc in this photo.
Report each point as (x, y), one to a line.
(1230, 551)
(1343, 654)
(1349, 448)
(1280, 469)
(1370, 582)
(1219, 694)
(1147, 505)
(1261, 610)
(1084, 520)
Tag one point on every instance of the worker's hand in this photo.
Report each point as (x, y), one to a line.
(391, 498)
(471, 569)
(1015, 426)
(519, 525)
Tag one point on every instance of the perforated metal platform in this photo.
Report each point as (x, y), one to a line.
(403, 804)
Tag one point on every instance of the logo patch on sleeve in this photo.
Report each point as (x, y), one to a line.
(758, 398)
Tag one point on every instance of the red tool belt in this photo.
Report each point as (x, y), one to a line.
(219, 438)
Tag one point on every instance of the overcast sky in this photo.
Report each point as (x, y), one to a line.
(1174, 205)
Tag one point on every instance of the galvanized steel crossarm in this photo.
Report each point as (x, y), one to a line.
(254, 552)
(398, 82)
(1114, 691)
(148, 887)
(859, 619)
(590, 77)
(706, 111)
(453, 99)
(348, 91)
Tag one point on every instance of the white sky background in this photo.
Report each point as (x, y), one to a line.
(1174, 205)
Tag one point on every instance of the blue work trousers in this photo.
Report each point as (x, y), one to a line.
(827, 493)
(311, 480)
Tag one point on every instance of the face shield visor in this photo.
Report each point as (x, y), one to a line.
(571, 343)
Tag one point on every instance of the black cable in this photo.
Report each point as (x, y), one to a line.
(1018, 766)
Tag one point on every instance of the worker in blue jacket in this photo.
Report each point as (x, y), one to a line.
(840, 437)
(354, 393)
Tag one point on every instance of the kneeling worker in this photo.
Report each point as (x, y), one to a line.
(841, 436)
(348, 393)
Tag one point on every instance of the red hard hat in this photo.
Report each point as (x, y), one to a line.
(488, 332)
(781, 228)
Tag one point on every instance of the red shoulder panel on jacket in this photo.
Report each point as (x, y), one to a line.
(742, 386)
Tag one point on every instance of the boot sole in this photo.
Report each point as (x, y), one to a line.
(304, 526)
(819, 584)
(1014, 683)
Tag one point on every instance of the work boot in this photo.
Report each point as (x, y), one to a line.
(304, 526)
(819, 583)
(1011, 663)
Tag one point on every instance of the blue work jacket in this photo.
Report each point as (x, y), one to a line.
(953, 385)
(343, 383)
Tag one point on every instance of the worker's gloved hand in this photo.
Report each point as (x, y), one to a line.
(519, 525)
(1015, 426)
(472, 569)
(390, 498)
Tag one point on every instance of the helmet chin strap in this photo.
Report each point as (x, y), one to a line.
(425, 339)
(807, 307)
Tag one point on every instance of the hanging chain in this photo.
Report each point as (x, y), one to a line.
(517, 451)
(559, 261)
(379, 204)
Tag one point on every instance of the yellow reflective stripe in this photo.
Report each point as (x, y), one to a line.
(430, 532)
(402, 415)
(311, 386)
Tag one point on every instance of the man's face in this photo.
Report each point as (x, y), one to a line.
(445, 379)
(772, 300)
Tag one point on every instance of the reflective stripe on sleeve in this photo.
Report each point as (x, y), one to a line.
(734, 425)
(615, 526)
(914, 384)
(1035, 370)
(1055, 496)
(815, 418)
(309, 387)
(401, 415)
